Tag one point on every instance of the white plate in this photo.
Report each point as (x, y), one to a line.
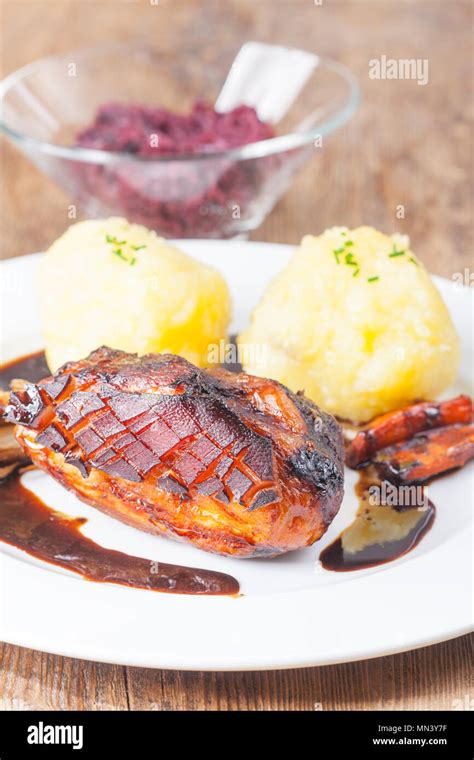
(293, 613)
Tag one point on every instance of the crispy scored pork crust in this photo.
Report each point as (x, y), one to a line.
(235, 464)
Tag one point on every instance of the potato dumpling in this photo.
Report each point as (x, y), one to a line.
(356, 322)
(112, 283)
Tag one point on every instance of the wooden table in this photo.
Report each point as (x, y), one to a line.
(408, 146)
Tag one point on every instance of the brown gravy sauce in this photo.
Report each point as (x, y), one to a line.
(379, 533)
(28, 524)
(31, 367)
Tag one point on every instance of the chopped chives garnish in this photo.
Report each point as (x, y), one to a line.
(349, 260)
(372, 279)
(112, 239)
(119, 253)
(396, 252)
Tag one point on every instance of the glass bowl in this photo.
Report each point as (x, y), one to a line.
(205, 195)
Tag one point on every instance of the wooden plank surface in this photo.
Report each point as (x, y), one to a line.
(409, 145)
(432, 678)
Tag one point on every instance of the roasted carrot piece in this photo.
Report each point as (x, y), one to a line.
(403, 424)
(426, 455)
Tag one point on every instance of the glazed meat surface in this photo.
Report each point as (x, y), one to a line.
(426, 455)
(235, 464)
(402, 424)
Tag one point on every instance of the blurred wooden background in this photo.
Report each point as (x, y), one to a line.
(408, 145)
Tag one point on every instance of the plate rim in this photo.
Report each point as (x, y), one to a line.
(243, 661)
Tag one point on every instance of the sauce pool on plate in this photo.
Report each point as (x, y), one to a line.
(30, 525)
(379, 533)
